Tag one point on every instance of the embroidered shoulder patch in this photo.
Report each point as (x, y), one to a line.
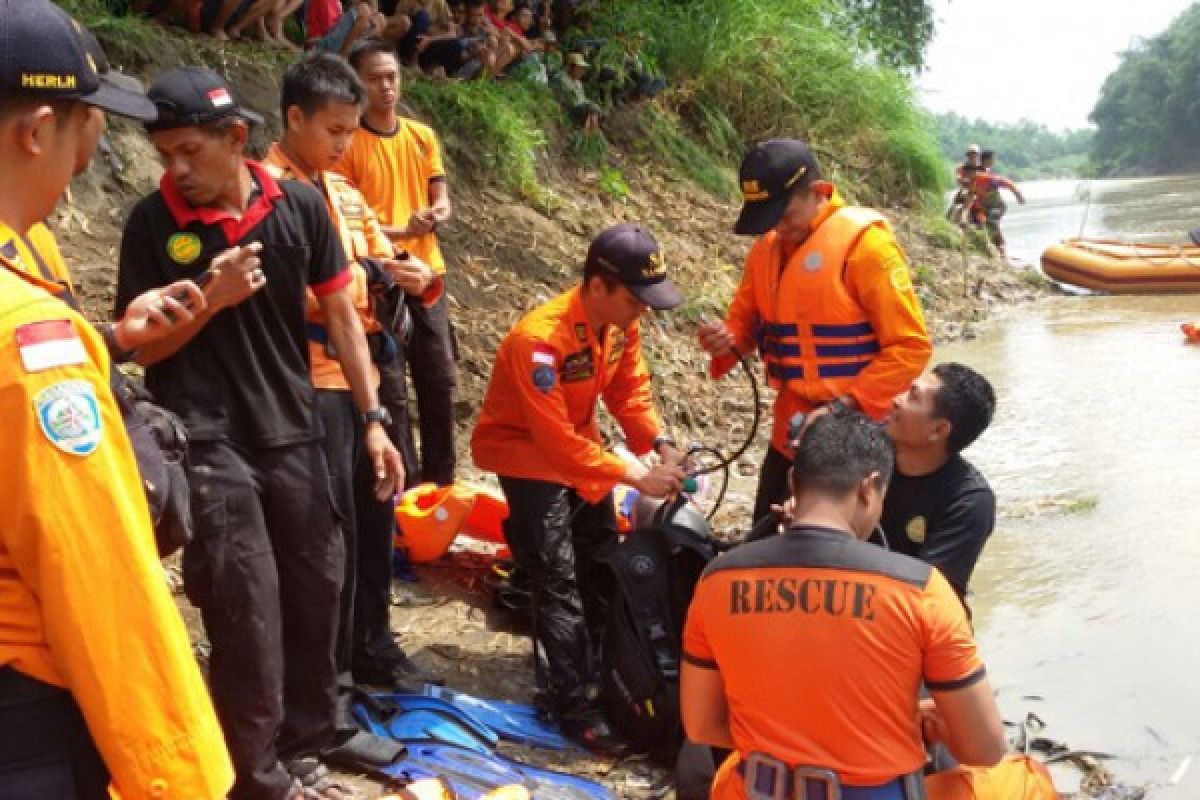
(544, 378)
(899, 276)
(69, 416)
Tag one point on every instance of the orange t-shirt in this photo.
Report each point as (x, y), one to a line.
(394, 171)
(539, 415)
(822, 642)
(83, 603)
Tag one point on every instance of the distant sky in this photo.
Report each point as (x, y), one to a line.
(1043, 60)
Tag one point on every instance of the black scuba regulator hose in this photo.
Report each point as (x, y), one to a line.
(723, 463)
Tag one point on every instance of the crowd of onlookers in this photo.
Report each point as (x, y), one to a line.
(549, 42)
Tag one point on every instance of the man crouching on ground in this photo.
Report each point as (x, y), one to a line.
(538, 432)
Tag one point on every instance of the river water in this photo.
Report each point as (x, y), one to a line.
(1087, 595)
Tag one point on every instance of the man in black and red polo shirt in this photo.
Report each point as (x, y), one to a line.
(267, 562)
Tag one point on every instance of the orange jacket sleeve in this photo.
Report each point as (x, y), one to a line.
(743, 317)
(628, 396)
(877, 275)
(78, 533)
(584, 463)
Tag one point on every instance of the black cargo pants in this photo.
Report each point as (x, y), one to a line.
(562, 543)
(265, 570)
(430, 355)
(367, 524)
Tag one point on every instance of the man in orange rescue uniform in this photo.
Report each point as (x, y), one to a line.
(805, 652)
(827, 298)
(97, 678)
(538, 431)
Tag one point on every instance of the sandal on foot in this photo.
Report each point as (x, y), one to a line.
(315, 782)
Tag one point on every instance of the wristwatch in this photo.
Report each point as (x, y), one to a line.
(659, 441)
(380, 415)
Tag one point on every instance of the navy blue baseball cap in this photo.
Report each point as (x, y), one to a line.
(631, 256)
(189, 97)
(770, 174)
(44, 53)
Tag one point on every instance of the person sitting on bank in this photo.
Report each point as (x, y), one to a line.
(805, 652)
(939, 508)
(568, 85)
(538, 431)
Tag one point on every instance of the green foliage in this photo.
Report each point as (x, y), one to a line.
(590, 147)
(495, 127)
(1149, 108)
(941, 232)
(745, 70)
(612, 182)
(924, 275)
(739, 71)
(1024, 151)
(899, 31)
(666, 140)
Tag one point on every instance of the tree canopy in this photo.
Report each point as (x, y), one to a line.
(1148, 112)
(1024, 150)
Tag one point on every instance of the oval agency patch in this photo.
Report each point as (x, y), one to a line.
(184, 248)
(543, 378)
(70, 416)
(901, 278)
(814, 261)
(915, 529)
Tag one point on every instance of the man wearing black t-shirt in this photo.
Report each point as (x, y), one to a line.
(938, 507)
(266, 565)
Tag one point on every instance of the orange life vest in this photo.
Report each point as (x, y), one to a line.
(813, 336)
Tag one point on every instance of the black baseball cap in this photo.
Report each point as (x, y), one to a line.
(630, 255)
(188, 97)
(770, 174)
(45, 53)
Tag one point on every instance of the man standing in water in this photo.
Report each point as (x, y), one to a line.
(989, 207)
(939, 508)
(804, 653)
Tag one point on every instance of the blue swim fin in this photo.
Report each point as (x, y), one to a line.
(419, 718)
(472, 774)
(513, 722)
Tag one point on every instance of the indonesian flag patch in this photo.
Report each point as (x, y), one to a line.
(219, 97)
(543, 355)
(48, 344)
